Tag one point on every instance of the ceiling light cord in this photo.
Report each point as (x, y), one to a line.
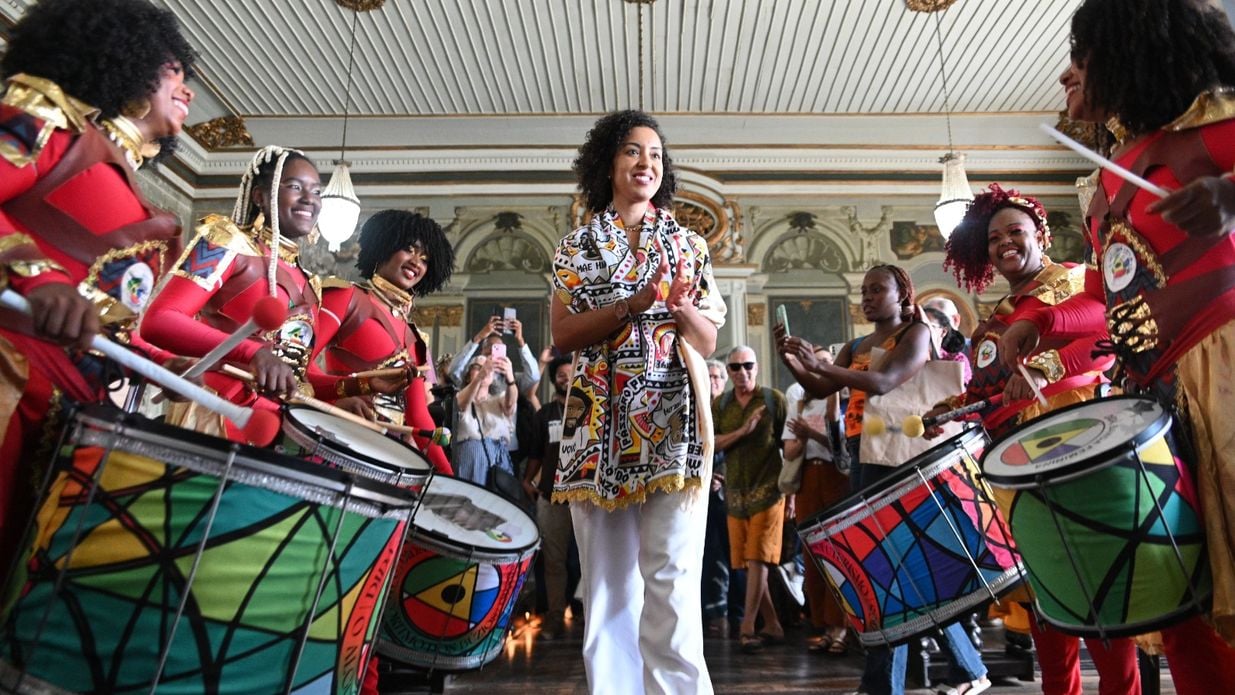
(943, 73)
(347, 96)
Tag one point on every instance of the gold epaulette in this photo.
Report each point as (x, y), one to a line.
(333, 282)
(1208, 107)
(45, 101)
(1058, 283)
(221, 231)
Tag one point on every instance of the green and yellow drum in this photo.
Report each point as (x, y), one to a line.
(167, 559)
(1105, 514)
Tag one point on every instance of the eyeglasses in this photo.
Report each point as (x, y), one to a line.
(735, 366)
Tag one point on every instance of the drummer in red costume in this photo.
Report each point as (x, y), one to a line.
(92, 91)
(369, 326)
(1163, 72)
(229, 266)
(1006, 232)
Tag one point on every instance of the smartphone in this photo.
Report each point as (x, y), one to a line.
(782, 318)
(498, 350)
(508, 315)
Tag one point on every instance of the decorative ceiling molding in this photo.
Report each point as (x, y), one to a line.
(221, 132)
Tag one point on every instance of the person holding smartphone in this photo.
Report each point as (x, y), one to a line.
(484, 422)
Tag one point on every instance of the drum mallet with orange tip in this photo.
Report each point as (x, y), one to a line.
(438, 435)
(260, 427)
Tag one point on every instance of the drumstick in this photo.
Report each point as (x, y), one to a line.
(301, 399)
(1037, 392)
(1104, 162)
(260, 427)
(392, 371)
(268, 314)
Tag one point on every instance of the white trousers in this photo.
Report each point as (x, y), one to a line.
(642, 615)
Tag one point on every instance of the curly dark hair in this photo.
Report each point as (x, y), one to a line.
(967, 250)
(105, 53)
(1146, 60)
(903, 283)
(556, 364)
(388, 231)
(596, 154)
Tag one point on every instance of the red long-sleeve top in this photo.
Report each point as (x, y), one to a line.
(71, 213)
(212, 292)
(1199, 143)
(357, 331)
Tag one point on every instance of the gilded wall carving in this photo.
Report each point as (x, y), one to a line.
(449, 316)
(756, 314)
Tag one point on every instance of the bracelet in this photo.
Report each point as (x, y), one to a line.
(363, 384)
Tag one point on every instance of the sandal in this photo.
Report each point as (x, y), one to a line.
(837, 647)
(751, 644)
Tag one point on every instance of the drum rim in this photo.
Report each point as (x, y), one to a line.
(304, 437)
(1160, 426)
(116, 423)
(874, 493)
(440, 662)
(516, 552)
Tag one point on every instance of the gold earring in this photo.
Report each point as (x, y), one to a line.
(259, 221)
(314, 236)
(136, 108)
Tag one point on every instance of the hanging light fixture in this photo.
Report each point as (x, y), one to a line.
(340, 206)
(955, 196)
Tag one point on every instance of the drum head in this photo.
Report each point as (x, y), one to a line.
(465, 515)
(356, 442)
(1073, 440)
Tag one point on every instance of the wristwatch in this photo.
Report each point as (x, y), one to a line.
(622, 309)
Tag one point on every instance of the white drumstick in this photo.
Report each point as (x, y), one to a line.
(1028, 380)
(243, 417)
(1104, 162)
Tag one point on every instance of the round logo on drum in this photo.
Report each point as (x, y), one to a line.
(136, 285)
(498, 536)
(985, 354)
(1118, 266)
(296, 332)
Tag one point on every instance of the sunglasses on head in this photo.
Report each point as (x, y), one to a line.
(735, 366)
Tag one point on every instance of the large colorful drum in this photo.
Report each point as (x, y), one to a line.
(171, 558)
(1105, 514)
(322, 438)
(917, 549)
(457, 580)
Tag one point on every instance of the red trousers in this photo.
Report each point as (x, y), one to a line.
(1059, 658)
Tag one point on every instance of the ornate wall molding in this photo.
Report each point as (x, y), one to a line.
(856, 315)
(507, 250)
(756, 314)
(446, 315)
(804, 249)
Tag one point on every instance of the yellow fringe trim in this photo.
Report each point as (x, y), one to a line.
(669, 483)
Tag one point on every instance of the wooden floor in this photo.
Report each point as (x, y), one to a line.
(554, 667)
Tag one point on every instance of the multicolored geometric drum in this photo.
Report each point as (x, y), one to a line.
(316, 436)
(170, 557)
(917, 549)
(457, 580)
(1105, 515)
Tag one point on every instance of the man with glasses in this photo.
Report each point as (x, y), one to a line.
(748, 421)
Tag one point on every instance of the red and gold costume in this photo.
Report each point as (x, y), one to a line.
(1068, 363)
(212, 292)
(70, 213)
(1168, 300)
(368, 326)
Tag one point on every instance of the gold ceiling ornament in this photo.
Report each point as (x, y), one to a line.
(928, 5)
(221, 132)
(361, 5)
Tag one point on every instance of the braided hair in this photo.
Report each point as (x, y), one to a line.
(968, 251)
(264, 172)
(388, 231)
(903, 284)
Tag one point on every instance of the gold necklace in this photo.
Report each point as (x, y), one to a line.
(397, 300)
(289, 250)
(124, 133)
